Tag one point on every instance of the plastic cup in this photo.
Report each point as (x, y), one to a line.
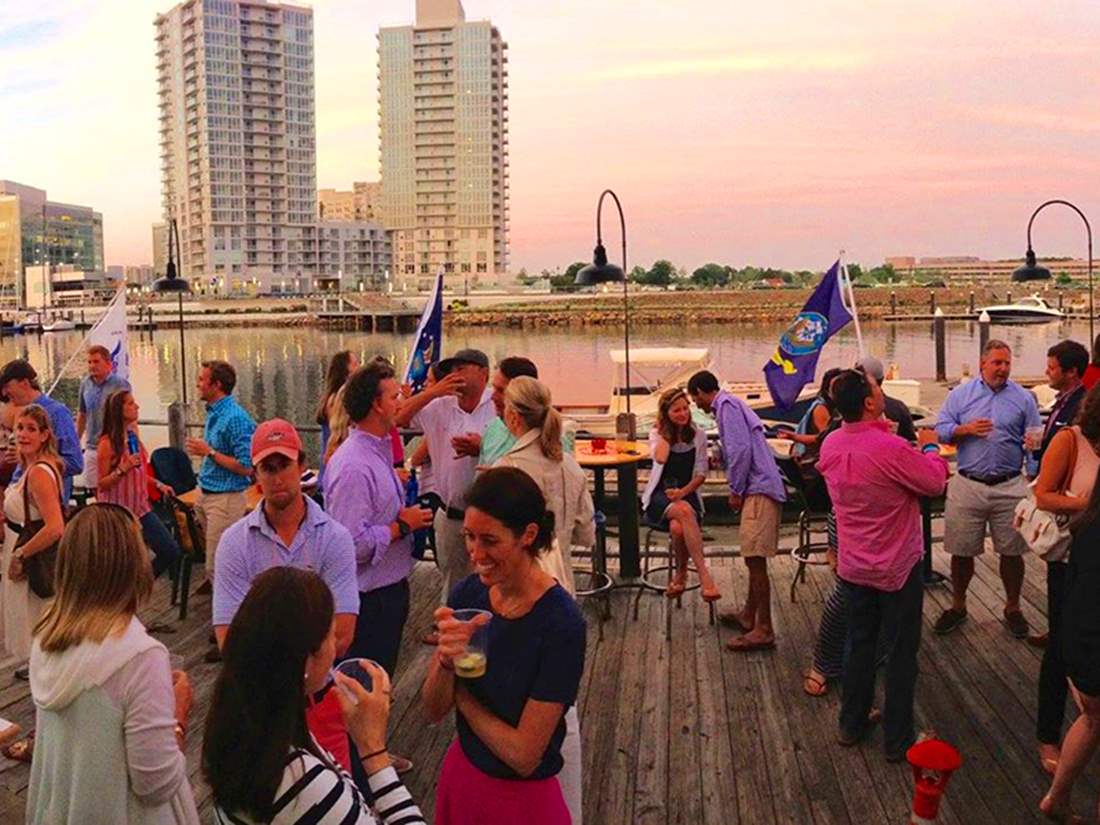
(354, 670)
(1033, 438)
(471, 664)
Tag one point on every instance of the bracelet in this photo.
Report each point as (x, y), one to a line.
(372, 755)
(181, 731)
(927, 448)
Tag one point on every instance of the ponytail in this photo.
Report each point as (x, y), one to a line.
(530, 399)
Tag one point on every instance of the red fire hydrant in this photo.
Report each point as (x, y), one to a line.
(933, 762)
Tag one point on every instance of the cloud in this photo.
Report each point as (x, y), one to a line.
(1039, 118)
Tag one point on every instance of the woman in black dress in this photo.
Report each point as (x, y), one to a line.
(1080, 632)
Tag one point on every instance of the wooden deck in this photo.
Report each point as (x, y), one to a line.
(689, 733)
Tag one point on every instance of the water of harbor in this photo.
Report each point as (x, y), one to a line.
(281, 369)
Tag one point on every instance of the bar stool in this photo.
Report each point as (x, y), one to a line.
(600, 583)
(670, 563)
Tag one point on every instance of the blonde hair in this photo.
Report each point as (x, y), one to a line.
(530, 400)
(48, 452)
(339, 422)
(103, 574)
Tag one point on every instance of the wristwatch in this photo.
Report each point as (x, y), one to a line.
(403, 529)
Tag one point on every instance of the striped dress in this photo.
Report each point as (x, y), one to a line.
(314, 792)
(132, 490)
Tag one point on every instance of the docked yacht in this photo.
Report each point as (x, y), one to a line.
(1029, 310)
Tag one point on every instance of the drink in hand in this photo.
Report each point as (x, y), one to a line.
(470, 665)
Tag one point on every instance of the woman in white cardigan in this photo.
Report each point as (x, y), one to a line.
(530, 417)
(110, 715)
(671, 499)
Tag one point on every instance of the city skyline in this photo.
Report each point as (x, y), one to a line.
(732, 133)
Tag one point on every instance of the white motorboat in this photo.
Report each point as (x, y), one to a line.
(58, 325)
(1030, 310)
(655, 369)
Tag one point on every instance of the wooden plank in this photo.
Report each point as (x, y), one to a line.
(650, 804)
(685, 780)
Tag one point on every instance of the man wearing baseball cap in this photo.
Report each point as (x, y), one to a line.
(289, 529)
(453, 413)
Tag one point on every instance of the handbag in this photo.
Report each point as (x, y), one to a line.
(41, 567)
(1048, 534)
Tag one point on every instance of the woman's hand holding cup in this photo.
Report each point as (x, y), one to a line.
(366, 712)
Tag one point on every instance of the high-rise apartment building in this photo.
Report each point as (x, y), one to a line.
(362, 203)
(35, 231)
(237, 136)
(443, 99)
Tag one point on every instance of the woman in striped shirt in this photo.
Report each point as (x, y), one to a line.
(258, 756)
(124, 477)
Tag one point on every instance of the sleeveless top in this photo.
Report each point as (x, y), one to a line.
(1085, 468)
(132, 490)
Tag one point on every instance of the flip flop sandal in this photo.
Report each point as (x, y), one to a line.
(814, 686)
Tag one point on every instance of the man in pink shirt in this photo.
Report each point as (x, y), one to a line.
(876, 481)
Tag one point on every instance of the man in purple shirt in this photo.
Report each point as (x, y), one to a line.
(876, 480)
(756, 489)
(363, 493)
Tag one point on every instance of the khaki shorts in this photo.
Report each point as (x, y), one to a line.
(759, 531)
(216, 512)
(972, 505)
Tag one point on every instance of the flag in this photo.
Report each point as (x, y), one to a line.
(110, 332)
(429, 339)
(792, 366)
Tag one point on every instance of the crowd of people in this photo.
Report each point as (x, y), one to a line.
(311, 589)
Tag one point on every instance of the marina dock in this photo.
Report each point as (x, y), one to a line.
(687, 732)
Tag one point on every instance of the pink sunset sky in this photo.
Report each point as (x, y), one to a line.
(734, 131)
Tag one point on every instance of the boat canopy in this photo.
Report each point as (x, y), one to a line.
(662, 355)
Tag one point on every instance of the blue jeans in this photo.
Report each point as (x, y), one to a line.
(165, 549)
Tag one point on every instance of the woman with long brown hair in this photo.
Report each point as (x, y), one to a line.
(342, 364)
(671, 499)
(124, 476)
(39, 487)
(111, 713)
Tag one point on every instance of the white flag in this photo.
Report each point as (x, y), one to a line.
(110, 332)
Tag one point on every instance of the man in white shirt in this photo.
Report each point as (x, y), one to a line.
(453, 413)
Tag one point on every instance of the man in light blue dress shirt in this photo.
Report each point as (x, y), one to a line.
(987, 418)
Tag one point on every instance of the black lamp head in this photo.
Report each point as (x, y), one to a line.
(1031, 271)
(599, 271)
(171, 282)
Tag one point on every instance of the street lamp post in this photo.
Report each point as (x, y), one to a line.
(1031, 271)
(601, 272)
(171, 282)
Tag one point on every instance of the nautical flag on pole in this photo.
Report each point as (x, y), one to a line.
(792, 366)
(429, 339)
(110, 332)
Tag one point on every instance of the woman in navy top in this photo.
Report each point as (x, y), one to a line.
(503, 767)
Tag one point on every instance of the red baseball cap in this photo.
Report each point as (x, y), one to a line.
(275, 436)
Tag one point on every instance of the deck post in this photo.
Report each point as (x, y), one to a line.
(893, 302)
(983, 333)
(177, 425)
(971, 302)
(939, 325)
(932, 301)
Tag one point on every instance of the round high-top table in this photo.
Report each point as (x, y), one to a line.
(622, 457)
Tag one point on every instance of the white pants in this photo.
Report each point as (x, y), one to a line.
(91, 468)
(570, 776)
(450, 551)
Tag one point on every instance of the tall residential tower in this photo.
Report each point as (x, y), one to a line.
(443, 99)
(238, 144)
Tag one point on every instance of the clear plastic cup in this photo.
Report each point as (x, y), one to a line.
(1033, 438)
(475, 659)
(353, 669)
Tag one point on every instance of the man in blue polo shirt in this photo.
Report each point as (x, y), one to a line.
(19, 384)
(987, 418)
(95, 388)
(226, 470)
(289, 529)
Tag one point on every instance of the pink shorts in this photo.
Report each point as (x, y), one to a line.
(467, 796)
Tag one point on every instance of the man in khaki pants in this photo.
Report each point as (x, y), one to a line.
(226, 470)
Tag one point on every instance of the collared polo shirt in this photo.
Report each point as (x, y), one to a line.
(1012, 409)
(228, 430)
(364, 494)
(251, 546)
(441, 420)
(92, 398)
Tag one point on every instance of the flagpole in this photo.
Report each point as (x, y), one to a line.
(852, 303)
(80, 349)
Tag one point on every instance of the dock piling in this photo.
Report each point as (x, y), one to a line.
(939, 326)
(983, 332)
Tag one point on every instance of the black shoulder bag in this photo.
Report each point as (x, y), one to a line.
(40, 568)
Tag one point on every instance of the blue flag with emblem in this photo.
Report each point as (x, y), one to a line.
(429, 339)
(792, 366)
